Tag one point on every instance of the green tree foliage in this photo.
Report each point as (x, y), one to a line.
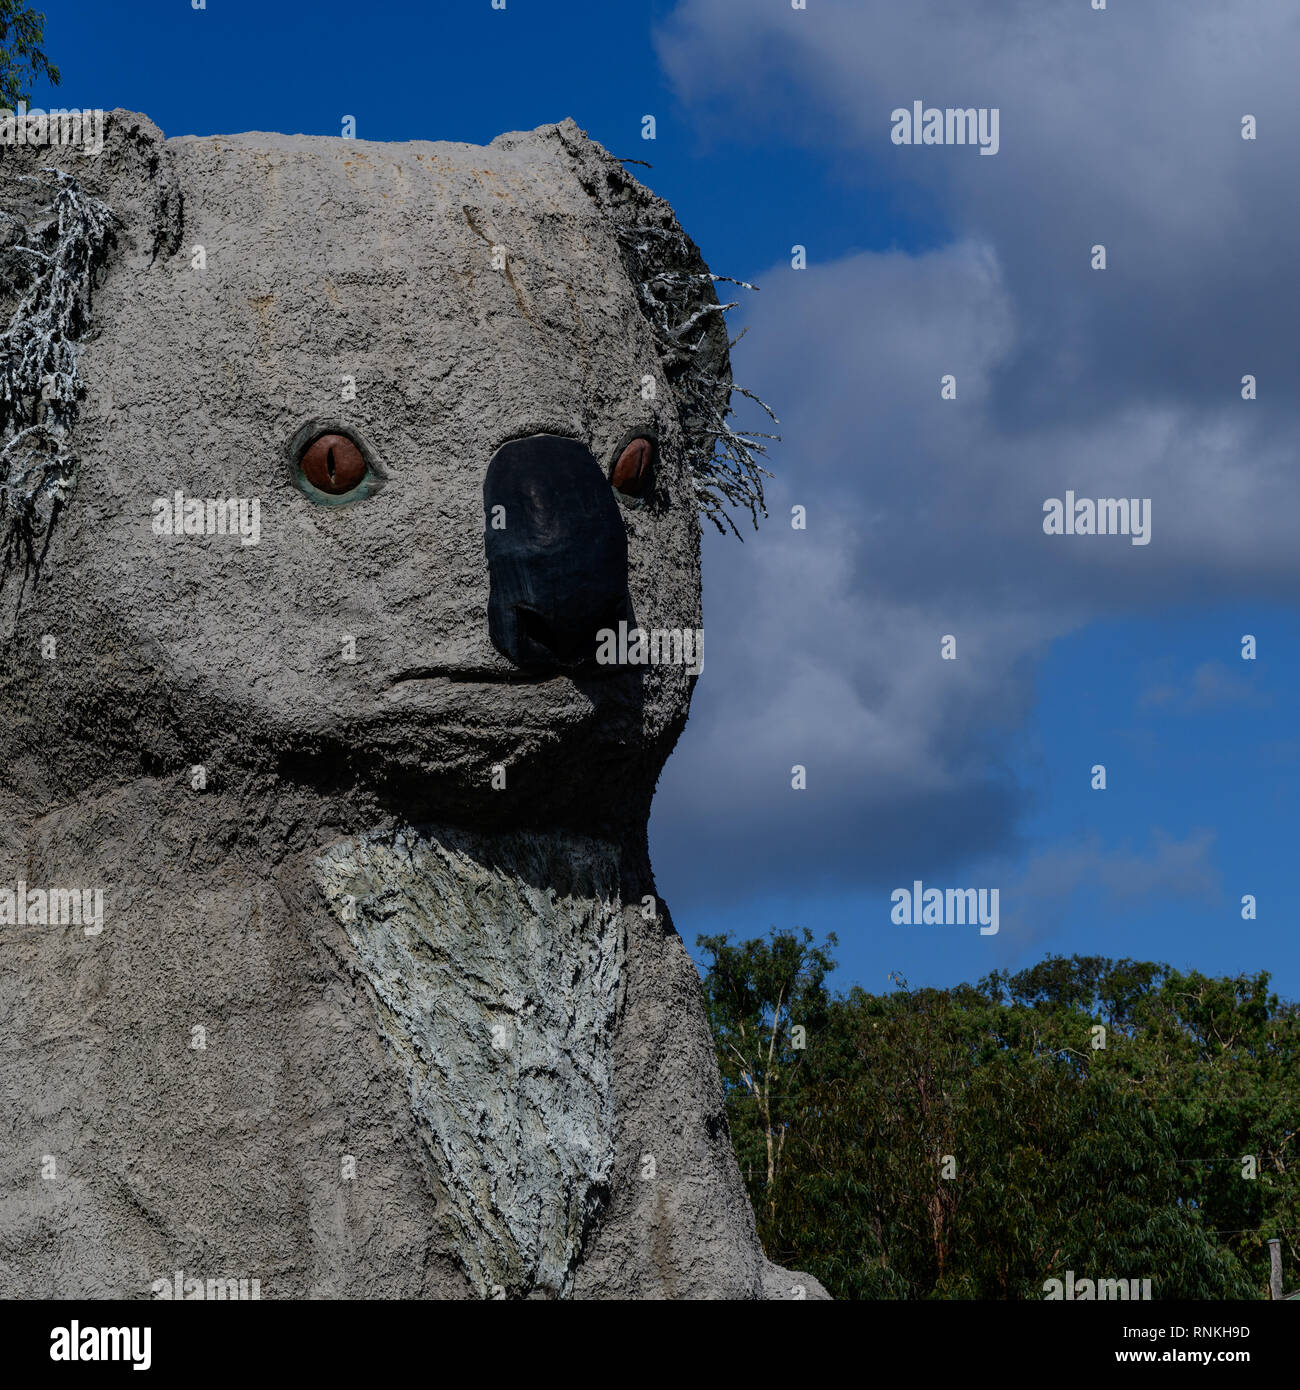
(22, 61)
(1085, 1114)
(764, 998)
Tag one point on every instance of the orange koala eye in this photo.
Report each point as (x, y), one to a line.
(634, 469)
(333, 464)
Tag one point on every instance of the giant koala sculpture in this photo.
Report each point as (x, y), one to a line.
(381, 1000)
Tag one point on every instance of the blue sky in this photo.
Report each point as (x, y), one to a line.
(924, 516)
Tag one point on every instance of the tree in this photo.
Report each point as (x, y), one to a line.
(22, 60)
(1085, 1114)
(763, 999)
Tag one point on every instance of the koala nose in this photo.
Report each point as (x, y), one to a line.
(556, 552)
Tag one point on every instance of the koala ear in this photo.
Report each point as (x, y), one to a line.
(117, 158)
(676, 293)
(71, 208)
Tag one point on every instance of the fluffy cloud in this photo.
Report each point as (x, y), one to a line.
(925, 515)
(1117, 879)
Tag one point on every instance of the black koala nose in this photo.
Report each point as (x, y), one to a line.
(556, 551)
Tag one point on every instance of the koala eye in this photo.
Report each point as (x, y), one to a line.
(633, 472)
(333, 464)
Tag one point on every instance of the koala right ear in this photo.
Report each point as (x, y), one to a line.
(70, 210)
(130, 173)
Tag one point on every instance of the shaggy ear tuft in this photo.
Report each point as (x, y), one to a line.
(68, 210)
(131, 174)
(676, 294)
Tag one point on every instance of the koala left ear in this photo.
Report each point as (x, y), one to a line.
(657, 252)
(676, 294)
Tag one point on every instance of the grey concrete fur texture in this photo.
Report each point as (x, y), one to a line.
(361, 1021)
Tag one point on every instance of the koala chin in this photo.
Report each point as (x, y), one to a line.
(370, 449)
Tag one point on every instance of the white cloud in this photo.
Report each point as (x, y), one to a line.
(924, 515)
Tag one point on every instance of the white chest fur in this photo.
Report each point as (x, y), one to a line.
(497, 996)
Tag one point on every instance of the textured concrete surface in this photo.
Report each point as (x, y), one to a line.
(340, 841)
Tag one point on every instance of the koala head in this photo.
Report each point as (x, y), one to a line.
(372, 442)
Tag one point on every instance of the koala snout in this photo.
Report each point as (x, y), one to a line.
(556, 551)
